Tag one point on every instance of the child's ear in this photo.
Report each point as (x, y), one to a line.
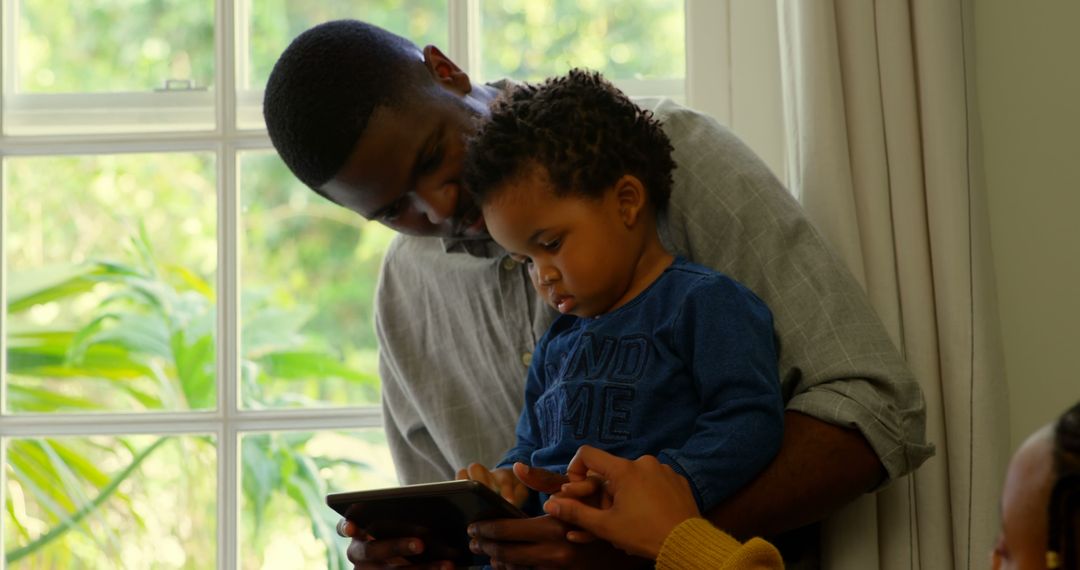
(632, 198)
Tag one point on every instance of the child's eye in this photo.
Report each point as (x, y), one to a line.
(552, 245)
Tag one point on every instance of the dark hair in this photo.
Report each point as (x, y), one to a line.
(324, 88)
(1064, 528)
(579, 128)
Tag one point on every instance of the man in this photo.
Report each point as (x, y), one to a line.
(377, 125)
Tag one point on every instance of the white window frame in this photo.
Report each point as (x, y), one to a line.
(727, 76)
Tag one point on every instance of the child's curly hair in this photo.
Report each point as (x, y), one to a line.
(1064, 525)
(579, 128)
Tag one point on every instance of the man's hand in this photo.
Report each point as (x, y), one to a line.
(366, 553)
(502, 481)
(541, 542)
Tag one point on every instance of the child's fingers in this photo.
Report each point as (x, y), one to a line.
(581, 489)
(480, 474)
(577, 513)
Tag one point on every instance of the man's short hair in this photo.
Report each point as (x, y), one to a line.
(579, 128)
(325, 87)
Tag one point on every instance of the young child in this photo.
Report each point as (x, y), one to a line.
(1040, 502)
(652, 354)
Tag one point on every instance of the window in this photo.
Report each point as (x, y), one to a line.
(189, 362)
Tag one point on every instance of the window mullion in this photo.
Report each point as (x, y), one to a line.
(3, 334)
(464, 48)
(228, 344)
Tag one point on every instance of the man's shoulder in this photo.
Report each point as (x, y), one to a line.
(695, 279)
(404, 251)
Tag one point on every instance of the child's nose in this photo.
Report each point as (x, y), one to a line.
(548, 275)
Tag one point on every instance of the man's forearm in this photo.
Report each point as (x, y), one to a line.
(820, 468)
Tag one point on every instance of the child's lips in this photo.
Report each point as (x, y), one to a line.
(563, 303)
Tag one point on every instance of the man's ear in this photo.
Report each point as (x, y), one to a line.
(632, 198)
(446, 72)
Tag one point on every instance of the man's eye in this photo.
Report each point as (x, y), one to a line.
(394, 211)
(431, 160)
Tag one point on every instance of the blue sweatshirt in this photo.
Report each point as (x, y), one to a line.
(686, 371)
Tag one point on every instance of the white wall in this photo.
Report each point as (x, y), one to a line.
(1028, 87)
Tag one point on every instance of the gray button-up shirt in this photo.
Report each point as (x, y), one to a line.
(457, 320)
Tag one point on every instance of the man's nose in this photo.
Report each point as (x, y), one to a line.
(438, 202)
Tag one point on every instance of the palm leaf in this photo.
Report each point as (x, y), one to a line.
(87, 508)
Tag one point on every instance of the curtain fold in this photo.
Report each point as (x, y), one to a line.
(883, 152)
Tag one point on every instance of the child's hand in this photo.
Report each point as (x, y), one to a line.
(502, 481)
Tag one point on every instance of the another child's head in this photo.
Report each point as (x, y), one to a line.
(570, 175)
(1040, 504)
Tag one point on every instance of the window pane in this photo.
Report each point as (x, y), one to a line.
(94, 502)
(624, 39)
(110, 268)
(284, 520)
(308, 273)
(274, 23)
(93, 46)
(110, 66)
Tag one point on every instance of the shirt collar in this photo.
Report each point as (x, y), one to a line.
(485, 247)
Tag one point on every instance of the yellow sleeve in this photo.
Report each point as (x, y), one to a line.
(697, 545)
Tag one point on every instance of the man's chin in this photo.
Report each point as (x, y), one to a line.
(478, 230)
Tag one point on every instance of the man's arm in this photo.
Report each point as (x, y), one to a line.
(820, 468)
(837, 361)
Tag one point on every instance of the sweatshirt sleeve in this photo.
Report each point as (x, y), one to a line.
(697, 545)
(725, 332)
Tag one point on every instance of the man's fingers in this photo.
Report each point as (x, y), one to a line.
(512, 555)
(580, 536)
(539, 479)
(383, 550)
(536, 529)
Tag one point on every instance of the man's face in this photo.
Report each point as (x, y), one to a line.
(579, 252)
(405, 171)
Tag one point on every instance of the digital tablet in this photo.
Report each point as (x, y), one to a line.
(437, 513)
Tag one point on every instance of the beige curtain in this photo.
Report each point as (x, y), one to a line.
(883, 151)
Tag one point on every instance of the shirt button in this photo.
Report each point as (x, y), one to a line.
(526, 359)
(508, 263)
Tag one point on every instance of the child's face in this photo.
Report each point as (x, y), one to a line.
(580, 252)
(1024, 502)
